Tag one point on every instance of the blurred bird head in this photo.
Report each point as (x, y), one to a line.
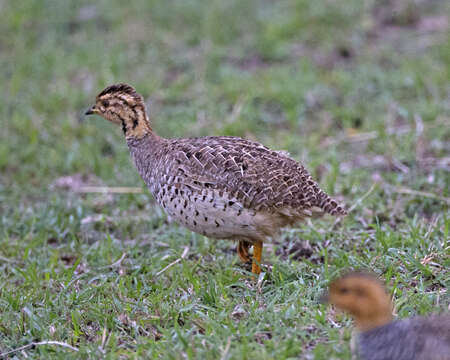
(364, 297)
(122, 105)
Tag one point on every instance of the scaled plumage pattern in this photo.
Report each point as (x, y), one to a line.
(222, 187)
(380, 338)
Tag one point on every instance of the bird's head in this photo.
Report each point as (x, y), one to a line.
(364, 297)
(122, 105)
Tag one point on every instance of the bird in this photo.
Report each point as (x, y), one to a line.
(222, 187)
(365, 298)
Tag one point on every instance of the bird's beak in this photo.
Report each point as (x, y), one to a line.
(324, 298)
(90, 111)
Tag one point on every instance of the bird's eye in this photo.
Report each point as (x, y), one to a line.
(105, 103)
(344, 291)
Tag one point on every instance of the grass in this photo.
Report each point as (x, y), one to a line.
(357, 91)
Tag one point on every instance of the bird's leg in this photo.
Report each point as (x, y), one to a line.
(257, 255)
(242, 250)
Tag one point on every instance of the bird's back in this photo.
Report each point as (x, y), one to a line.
(262, 179)
(409, 339)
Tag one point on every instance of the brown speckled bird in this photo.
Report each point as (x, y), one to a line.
(219, 186)
(380, 338)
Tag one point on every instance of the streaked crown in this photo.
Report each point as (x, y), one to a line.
(122, 105)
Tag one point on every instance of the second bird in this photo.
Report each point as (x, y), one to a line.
(219, 186)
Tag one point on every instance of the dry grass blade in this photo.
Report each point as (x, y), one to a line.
(12, 261)
(183, 255)
(105, 339)
(227, 348)
(109, 189)
(361, 199)
(116, 263)
(355, 204)
(407, 191)
(49, 342)
(353, 138)
(236, 111)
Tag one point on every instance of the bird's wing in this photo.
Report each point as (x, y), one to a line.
(258, 177)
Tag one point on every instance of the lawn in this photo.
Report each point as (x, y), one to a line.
(358, 91)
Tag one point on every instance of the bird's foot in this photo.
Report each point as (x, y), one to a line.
(257, 256)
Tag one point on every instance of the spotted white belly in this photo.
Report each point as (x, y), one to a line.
(210, 213)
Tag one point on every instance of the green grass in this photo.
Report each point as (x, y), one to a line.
(344, 87)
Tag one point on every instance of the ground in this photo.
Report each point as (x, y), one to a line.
(357, 90)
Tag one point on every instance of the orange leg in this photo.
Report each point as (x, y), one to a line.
(257, 255)
(242, 250)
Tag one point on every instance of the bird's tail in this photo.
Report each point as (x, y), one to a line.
(329, 205)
